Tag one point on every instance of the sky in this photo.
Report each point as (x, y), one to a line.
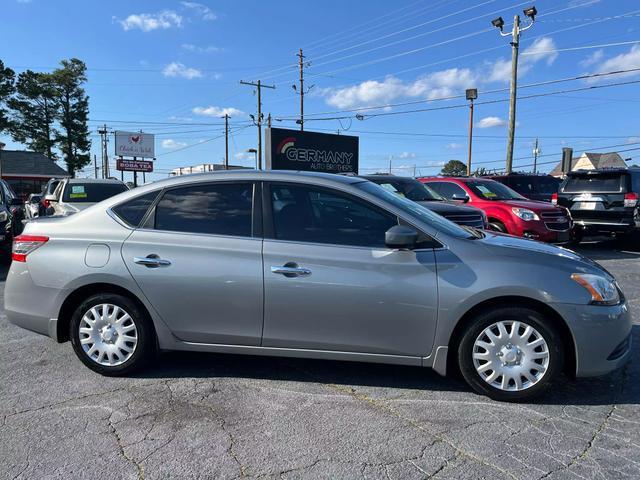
(173, 68)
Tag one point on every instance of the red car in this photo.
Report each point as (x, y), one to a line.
(507, 210)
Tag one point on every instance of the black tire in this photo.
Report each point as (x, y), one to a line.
(497, 226)
(144, 348)
(539, 322)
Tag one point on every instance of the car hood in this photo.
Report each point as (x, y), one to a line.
(500, 244)
(534, 205)
(442, 208)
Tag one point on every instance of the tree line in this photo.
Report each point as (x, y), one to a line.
(48, 112)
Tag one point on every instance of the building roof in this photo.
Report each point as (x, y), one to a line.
(29, 164)
(598, 161)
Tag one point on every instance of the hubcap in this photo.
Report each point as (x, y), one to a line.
(108, 334)
(511, 355)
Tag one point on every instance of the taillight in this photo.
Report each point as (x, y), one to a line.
(46, 203)
(554, 198)
(23, 245)
(631, 199)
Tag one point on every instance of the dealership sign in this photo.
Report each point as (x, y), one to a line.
(132, 144)
(134, 165)
(311, 151)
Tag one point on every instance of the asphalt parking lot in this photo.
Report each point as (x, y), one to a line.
(215, 416)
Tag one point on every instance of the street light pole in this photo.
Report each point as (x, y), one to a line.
(513, 89)
(472, 94)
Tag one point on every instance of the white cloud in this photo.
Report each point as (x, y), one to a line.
(407, 155)
(633, 140)
(205, 12)
(624, 61)
(152, 21)
(177, 69)
(454, 146)
(212, 111)
(372, 92)
(582, 3)
(543, 49)
(178, 118)
(490, 122)
(595, 57)
(200, 49)
(172, 144)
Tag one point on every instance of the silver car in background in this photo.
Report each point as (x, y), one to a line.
(75, 194)
(317, 266)
(32, 206)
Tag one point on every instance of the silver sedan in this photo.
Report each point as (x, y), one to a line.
(316, 266)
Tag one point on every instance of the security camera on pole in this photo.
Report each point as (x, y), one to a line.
(530, 12)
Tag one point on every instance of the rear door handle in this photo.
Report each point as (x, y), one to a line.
(291, 271)
(152, 261)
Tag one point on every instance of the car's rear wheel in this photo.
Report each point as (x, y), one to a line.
(511, 354)
(111, 334)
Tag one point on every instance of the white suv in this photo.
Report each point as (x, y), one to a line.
(75, 194)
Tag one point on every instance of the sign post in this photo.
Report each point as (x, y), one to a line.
(138, 145)
(311, 151)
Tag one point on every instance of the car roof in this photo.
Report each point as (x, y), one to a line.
(386, 177)
(93, 180)
(604, 171)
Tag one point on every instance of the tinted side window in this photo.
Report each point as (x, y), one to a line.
(308, 214)
(448, 189)
(547, 185)
(218, 209)
(133, 211)
(521, 185)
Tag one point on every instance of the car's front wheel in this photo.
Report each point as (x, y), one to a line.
(511, 354)
(111, 334)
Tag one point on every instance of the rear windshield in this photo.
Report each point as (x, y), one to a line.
(91, 192)
(411, 189)
(599, 183)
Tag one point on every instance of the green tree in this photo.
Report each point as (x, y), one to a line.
(33, 112)
(73, 114)
(454, 168)
(7, 88)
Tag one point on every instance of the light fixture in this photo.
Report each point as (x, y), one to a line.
(498, 23)
(472, 93)
(531, 12)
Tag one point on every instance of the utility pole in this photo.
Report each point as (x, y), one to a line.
(472, 94)
(105, 157)
(2, 145)
(258, 121)
(226, 141)
(536, 152)
(513, 89)
(95, 165)
(301, 64)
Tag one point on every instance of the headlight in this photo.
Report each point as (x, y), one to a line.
(602, 290)
(525, 214)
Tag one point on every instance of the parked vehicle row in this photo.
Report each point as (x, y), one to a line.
(316, 266)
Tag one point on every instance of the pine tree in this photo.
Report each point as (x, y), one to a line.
(7, 88)
(33, 112)
(73, 113)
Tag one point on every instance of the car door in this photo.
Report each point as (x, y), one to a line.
(198, 260)
(330, 282)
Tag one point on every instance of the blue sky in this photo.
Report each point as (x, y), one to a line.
(173, 68)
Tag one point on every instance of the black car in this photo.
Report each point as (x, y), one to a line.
(424, 195)
(534, 187)
(602, 201)
(11, 215)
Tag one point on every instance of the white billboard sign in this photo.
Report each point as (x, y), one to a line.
(135, 144)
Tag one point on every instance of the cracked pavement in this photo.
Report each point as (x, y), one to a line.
(225, 416)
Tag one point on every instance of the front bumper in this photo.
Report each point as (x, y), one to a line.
(601, 336)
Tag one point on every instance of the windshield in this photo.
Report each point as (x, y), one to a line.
(492, 190)
(415, 210)
(409, 188)
(91, 192)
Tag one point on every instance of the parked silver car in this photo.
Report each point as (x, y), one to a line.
(75, 194)
(316, 266)
(32, 206)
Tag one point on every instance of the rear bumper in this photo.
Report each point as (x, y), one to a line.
(593, 225)
(601, 335)
(31, 306)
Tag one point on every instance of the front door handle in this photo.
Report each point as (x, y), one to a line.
(152, 261)
(291, 270)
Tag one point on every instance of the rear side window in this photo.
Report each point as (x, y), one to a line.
(133, 211)
(601, 183)
(548, 185)
(522, 185)
(215, 209)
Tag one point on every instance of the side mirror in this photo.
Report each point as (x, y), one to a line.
(459, 197)
(51, 198)
(401, 237)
